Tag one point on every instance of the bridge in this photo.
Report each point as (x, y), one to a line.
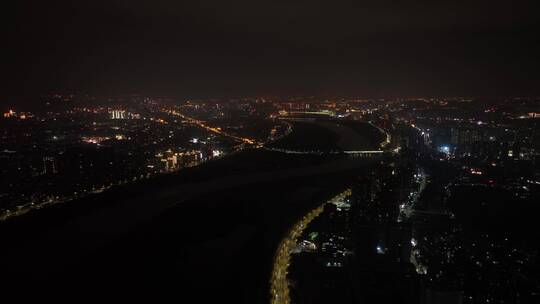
(308, 115)
(367, 153)
(352, 153)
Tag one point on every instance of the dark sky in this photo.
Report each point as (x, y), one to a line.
(219, 48)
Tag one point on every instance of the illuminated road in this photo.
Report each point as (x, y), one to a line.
(217, 130)
(407, 208)
(388, 137)
(279, 284)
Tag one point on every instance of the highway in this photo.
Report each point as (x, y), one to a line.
(215, 130)
(279, 284)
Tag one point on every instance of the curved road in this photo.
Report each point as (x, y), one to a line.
(279, 289)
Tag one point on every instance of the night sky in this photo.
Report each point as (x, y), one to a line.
(238, 48)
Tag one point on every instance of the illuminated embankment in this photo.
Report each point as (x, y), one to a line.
(279, 284)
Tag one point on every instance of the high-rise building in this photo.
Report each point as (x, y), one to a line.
(49, 165)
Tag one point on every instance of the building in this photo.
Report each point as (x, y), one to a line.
(117, 114)
(49, 165)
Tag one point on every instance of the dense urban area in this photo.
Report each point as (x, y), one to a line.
(441, 209)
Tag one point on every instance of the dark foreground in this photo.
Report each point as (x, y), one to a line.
(201, 236)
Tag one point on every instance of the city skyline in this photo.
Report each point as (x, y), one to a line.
(282, 152)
